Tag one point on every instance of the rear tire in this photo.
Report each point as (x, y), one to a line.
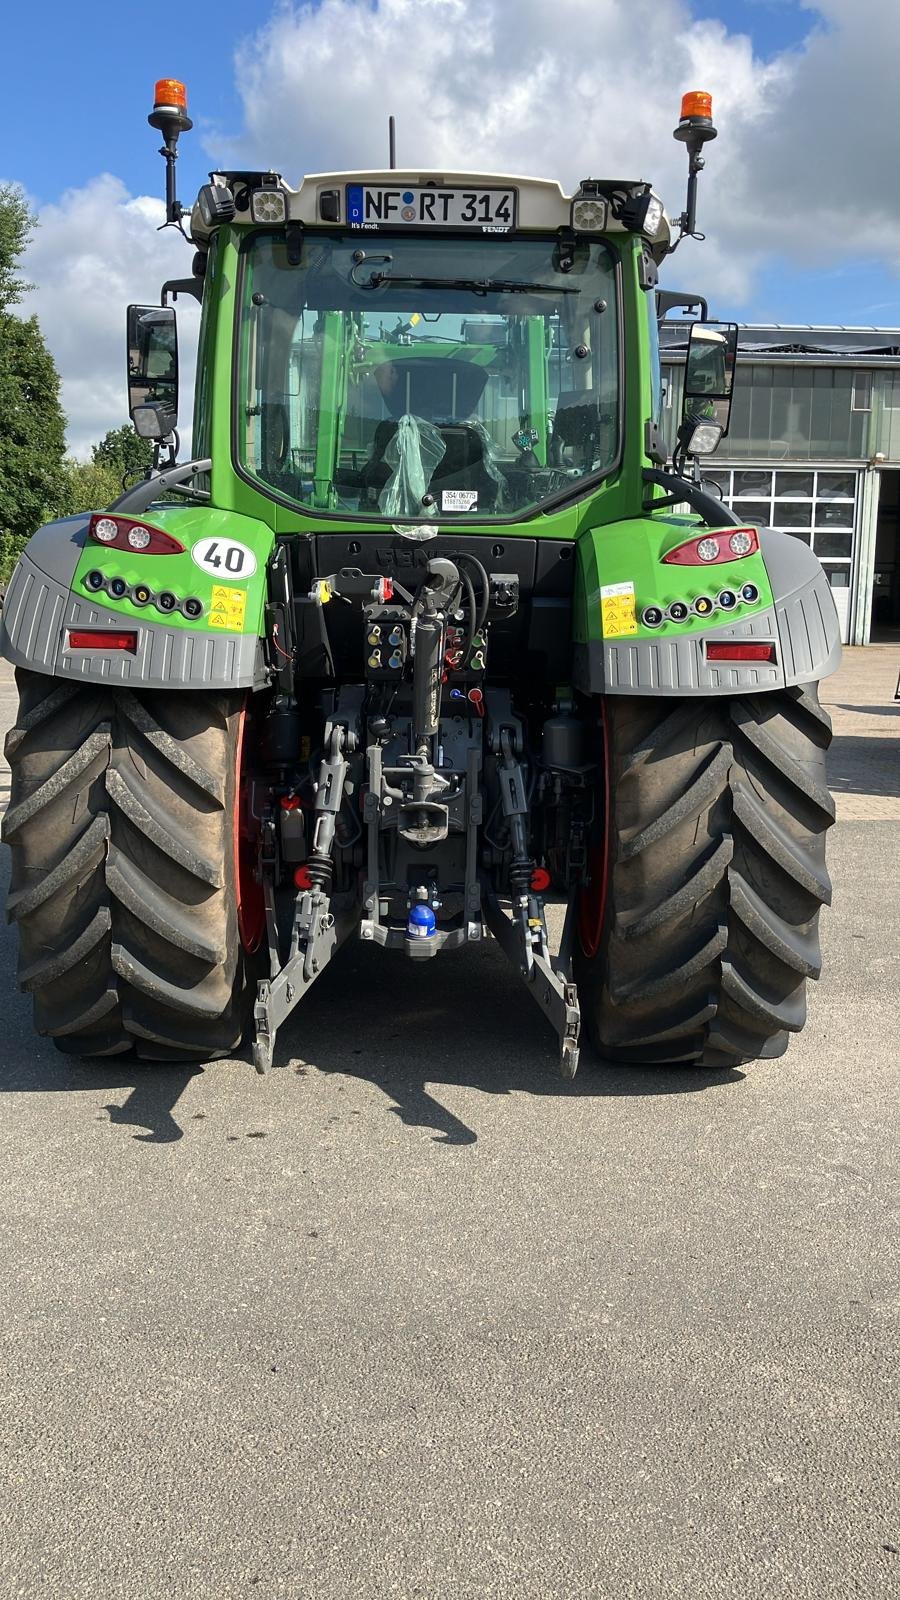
(122, 830)
(713, 854)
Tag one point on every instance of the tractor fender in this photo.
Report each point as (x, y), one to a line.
(45, 599)
(801, 622)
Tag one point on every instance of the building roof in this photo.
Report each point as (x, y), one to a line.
(796, 339)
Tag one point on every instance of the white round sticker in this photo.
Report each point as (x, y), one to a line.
(224, 558)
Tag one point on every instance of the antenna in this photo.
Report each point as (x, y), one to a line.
(392, 144)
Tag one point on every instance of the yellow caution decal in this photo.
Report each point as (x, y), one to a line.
(227, 608)
(617, 610)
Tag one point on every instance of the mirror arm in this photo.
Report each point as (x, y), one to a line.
(137, 499)
(177, 286)
(669, 299)
(714, 512)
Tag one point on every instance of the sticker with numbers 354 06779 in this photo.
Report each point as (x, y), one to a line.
(224, 559)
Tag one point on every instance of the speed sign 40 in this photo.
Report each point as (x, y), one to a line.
(224, 558)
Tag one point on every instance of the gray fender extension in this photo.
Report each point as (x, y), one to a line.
(40, 608)
(802, 624)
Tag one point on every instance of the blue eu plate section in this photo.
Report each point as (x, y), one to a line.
(354, 202)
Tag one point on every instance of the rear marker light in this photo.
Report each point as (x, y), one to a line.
(540, 880)
(740, 543)
(729, 545)
(726, 651)
(302, 878)
(128, 535)
(101, 639)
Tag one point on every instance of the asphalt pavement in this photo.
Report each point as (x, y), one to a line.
(411, 1317)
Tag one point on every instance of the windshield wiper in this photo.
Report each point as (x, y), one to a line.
(480, 286)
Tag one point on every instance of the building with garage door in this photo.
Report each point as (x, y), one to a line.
(814, 449)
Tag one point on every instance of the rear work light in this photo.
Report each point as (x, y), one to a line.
(732, 544)
(726, 650)
(101, 639)
(123, 533)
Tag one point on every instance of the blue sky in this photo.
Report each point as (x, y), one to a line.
(798, 200)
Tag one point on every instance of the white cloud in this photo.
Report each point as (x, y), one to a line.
(804, 167)
(93, 253)
(562, 90)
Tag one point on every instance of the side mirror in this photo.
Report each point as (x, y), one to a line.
(152, 339)
(708, 384)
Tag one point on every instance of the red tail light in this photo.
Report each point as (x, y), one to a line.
(725, 650)
(138, 538)
(101, 639)
(731, 544)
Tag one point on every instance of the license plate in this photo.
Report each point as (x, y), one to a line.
(369, 206)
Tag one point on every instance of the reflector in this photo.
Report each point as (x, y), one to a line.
(101, 639)
(726, 650)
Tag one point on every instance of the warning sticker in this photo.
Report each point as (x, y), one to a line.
(459, 499)
(617, 610)
(227, 608)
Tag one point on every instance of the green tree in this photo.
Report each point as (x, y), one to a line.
(87, 486)
(16, 228)
(32, 425)
(124, 452)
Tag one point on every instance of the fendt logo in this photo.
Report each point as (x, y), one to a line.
(397, 556)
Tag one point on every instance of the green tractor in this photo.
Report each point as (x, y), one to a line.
(424, 633)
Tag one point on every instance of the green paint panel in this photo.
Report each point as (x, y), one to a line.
(198, 528)
(631, 552)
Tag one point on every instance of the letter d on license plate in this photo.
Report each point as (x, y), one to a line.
(380, 207)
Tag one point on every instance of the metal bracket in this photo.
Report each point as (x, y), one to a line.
(322, 920)
(549, 984)
(276, 997)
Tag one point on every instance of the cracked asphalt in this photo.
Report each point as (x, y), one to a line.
(411, 1317)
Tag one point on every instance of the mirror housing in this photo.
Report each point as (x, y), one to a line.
(152, 340)
(708, 384)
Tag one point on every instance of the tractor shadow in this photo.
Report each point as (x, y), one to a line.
(34, 1066)
(463, 1022)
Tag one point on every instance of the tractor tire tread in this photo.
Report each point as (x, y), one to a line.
(716, 878)
(122, 888)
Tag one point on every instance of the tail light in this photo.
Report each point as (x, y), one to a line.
(101, 639)
(732, 544)
(123, 533)
(728, 650)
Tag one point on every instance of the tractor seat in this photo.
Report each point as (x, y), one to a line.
(462, 466)
(576, 426)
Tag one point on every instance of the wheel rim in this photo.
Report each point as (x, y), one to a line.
(251, 905)
(592, 900)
